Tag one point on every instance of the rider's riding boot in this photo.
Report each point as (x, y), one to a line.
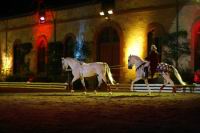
(146, 72)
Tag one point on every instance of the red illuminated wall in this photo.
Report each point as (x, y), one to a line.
(194, 41)
(41, 53)
(46, 28)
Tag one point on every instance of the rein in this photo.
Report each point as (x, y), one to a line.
(140, 66)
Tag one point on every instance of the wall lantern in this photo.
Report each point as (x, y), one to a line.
(42, 17)
(107, 7)
(41, 10)
(106, 13)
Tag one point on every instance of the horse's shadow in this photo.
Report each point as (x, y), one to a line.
(127, 96)
(89, 95)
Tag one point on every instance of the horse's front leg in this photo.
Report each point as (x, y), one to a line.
(72, 82)
(132, 83)
(147, 84)
(67, 86)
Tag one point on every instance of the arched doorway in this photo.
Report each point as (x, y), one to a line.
(41, 55)
(108, 49)
(68, 46)
(68, 51)
(154, 36)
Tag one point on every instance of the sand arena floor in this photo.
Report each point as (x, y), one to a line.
(123, 112)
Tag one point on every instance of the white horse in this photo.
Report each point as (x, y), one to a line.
(162, 68)
(80, 70)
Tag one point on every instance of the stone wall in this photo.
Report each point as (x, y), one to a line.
(132, 16)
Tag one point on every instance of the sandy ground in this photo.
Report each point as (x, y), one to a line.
(61, 112)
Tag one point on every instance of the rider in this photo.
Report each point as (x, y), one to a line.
(153, 58)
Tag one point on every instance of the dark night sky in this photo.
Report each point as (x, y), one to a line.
(10, 8)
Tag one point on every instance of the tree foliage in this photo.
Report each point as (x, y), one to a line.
(175, 50)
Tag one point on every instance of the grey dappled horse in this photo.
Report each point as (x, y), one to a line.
(162, 68)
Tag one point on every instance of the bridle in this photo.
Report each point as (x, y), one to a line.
(140, 66)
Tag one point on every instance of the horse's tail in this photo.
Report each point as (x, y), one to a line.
(178, 76)
(110, 74)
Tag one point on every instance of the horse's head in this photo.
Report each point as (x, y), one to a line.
(133, 60)
(64, 63)
(130, 62)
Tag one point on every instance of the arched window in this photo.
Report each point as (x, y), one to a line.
(69, 44)
(20, 50)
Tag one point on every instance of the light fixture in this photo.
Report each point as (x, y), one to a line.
(42, 12)
(106, 13)
(101, 13)
(107, 7)
(110, 11)
(106, 17)
(42, 18)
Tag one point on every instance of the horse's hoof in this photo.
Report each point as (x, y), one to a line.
(110, 93)
(72, 91)
(131, 90)
(95, 92)
(66, 83)
(148, 94)
(84, 92)
(174, 94)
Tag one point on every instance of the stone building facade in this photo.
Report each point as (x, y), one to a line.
(131, 29)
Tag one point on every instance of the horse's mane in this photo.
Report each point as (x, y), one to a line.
(137, 57)
(81, 62)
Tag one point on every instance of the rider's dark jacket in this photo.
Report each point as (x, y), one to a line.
(153, 58)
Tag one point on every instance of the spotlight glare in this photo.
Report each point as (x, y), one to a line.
(106, 17)
(110, 11)
(42, 18)
(101, 13)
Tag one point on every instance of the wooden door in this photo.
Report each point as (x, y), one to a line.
(108, 50)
